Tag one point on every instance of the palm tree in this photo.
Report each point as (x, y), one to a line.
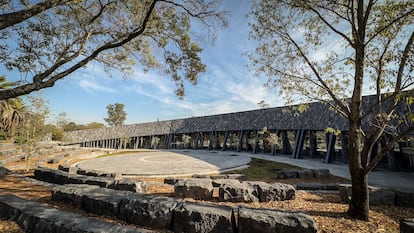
(12, 111)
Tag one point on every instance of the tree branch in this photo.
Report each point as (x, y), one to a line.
(10, 19)
(27, 88)
(386, 149)
(342, 105)
(389, 25)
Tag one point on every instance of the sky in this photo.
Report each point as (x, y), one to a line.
(227, 86)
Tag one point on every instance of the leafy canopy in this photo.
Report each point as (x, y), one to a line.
(116, 114)
(48, 42)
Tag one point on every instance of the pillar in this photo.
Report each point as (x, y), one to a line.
(299, 141)
(226, 134)
(286, 148)
(256, 142)
(330, 148)
(240, 143)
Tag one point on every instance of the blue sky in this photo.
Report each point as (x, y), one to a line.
(227, 86)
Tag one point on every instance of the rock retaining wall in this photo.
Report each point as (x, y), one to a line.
(177, 215)
(380, 196)
(35, 217)
(232, 190)
(61, 177)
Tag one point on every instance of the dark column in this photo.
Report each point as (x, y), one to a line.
(226, 134)
(313, 146)
(210, 142)
(299, 141)
(197, 139)
(273, 152)
(344, 142)
(392, 166)
(330, 148)
(256, 142)
(240, 144)
(286, 148)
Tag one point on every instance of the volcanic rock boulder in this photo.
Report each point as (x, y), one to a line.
(200, 218)
(198, 189)
(269, 221)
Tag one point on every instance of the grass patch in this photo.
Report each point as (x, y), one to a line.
(125, 152)
(263, 169)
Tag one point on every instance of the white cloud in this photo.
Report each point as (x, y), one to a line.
(91, 85)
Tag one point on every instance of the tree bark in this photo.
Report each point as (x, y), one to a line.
(359, 205)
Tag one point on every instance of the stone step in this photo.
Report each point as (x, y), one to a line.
(36, 217)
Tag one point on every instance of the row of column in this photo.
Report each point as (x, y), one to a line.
(237, 140)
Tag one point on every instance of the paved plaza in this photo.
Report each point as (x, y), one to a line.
(188, 162)
(167, 163)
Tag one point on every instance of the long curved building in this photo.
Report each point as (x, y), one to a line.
(318, 132)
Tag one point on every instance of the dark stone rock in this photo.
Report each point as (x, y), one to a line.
(404, 199)
(100, 181)
(305, 174)
(4, 171)
(321, 173)
(317, 186)
(80, 171)
(234, 191)
(221, 176)
(37, 218)
(45, 174)
(241, 177)
(379, 196)
(200, 176)
(170, 180)
(218, 182)
(63, 168)
(198, 189)
(407, 225)
(286, 174)
(200, 218)
(345, 192)
(147, 210)
(269, 221)
(72, 192)
(103, 201)
(129, 185)
(274, 192)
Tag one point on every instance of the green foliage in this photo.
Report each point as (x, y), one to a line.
(34, 129)
(333, 131)
(116, 114)
(72, 126)
(260, 169)
(118, 34)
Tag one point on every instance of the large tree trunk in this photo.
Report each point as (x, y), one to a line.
(359, 204)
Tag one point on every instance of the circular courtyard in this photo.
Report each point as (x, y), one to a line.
(166, 163)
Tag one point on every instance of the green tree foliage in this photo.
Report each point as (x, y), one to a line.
(116, 114)
(34, 129)
(49, 40)
(368, 46)
(12, 112)
(72, 126)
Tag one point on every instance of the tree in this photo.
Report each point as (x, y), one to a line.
(368, 46)
(61, 37)
(12, 112)
(37, 110)
(116, 114)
